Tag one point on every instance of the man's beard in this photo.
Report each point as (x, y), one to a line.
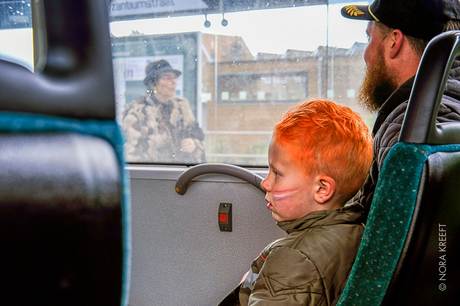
(377, 86)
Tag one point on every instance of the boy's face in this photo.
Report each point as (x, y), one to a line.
(290, 191)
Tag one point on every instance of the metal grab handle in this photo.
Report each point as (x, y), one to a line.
(419, 125)
(239, 172)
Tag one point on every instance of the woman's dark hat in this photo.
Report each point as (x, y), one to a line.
(418, 18)
(155, 69)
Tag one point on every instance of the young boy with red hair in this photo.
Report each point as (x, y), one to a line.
(319, 157)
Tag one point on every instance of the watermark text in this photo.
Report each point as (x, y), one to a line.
(442, 268)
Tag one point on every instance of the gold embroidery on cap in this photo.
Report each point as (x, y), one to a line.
(352, 10)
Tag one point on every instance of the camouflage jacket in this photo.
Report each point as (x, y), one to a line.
(153, 131)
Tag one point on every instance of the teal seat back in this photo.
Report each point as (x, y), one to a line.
(64, 194)
(415, 211)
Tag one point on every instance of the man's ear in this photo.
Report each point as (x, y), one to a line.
(325, 189)
(396, 41)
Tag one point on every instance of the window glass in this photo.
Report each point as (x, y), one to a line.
(270, 87)
(16, 43)
(240, 70)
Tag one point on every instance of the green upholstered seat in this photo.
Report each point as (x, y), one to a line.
(410, 246)
(389, 223)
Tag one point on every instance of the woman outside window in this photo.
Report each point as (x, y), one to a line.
(160, 126)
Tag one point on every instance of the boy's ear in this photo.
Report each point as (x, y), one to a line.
(325, 189)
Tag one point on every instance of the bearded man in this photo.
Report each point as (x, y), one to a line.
(398, 32)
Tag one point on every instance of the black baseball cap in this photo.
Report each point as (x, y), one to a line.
(418, 18)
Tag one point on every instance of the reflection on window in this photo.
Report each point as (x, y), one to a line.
(268, 87)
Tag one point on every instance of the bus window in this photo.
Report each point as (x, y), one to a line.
(234, 68)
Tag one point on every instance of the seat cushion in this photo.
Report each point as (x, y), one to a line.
(61, 231)
(388, 223)
(94, 185)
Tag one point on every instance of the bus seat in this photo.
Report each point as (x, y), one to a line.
(409, 251)
(64, 193)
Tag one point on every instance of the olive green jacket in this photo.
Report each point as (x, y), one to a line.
(310, 266)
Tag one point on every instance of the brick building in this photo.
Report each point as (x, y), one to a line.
(245, 95)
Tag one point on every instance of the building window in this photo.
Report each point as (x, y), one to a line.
(287, 87)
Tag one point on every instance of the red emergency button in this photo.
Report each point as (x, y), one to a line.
(225, 217)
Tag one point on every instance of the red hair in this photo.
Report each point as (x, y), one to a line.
(330, 139)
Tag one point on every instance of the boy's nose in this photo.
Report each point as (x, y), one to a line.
(265, 185)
